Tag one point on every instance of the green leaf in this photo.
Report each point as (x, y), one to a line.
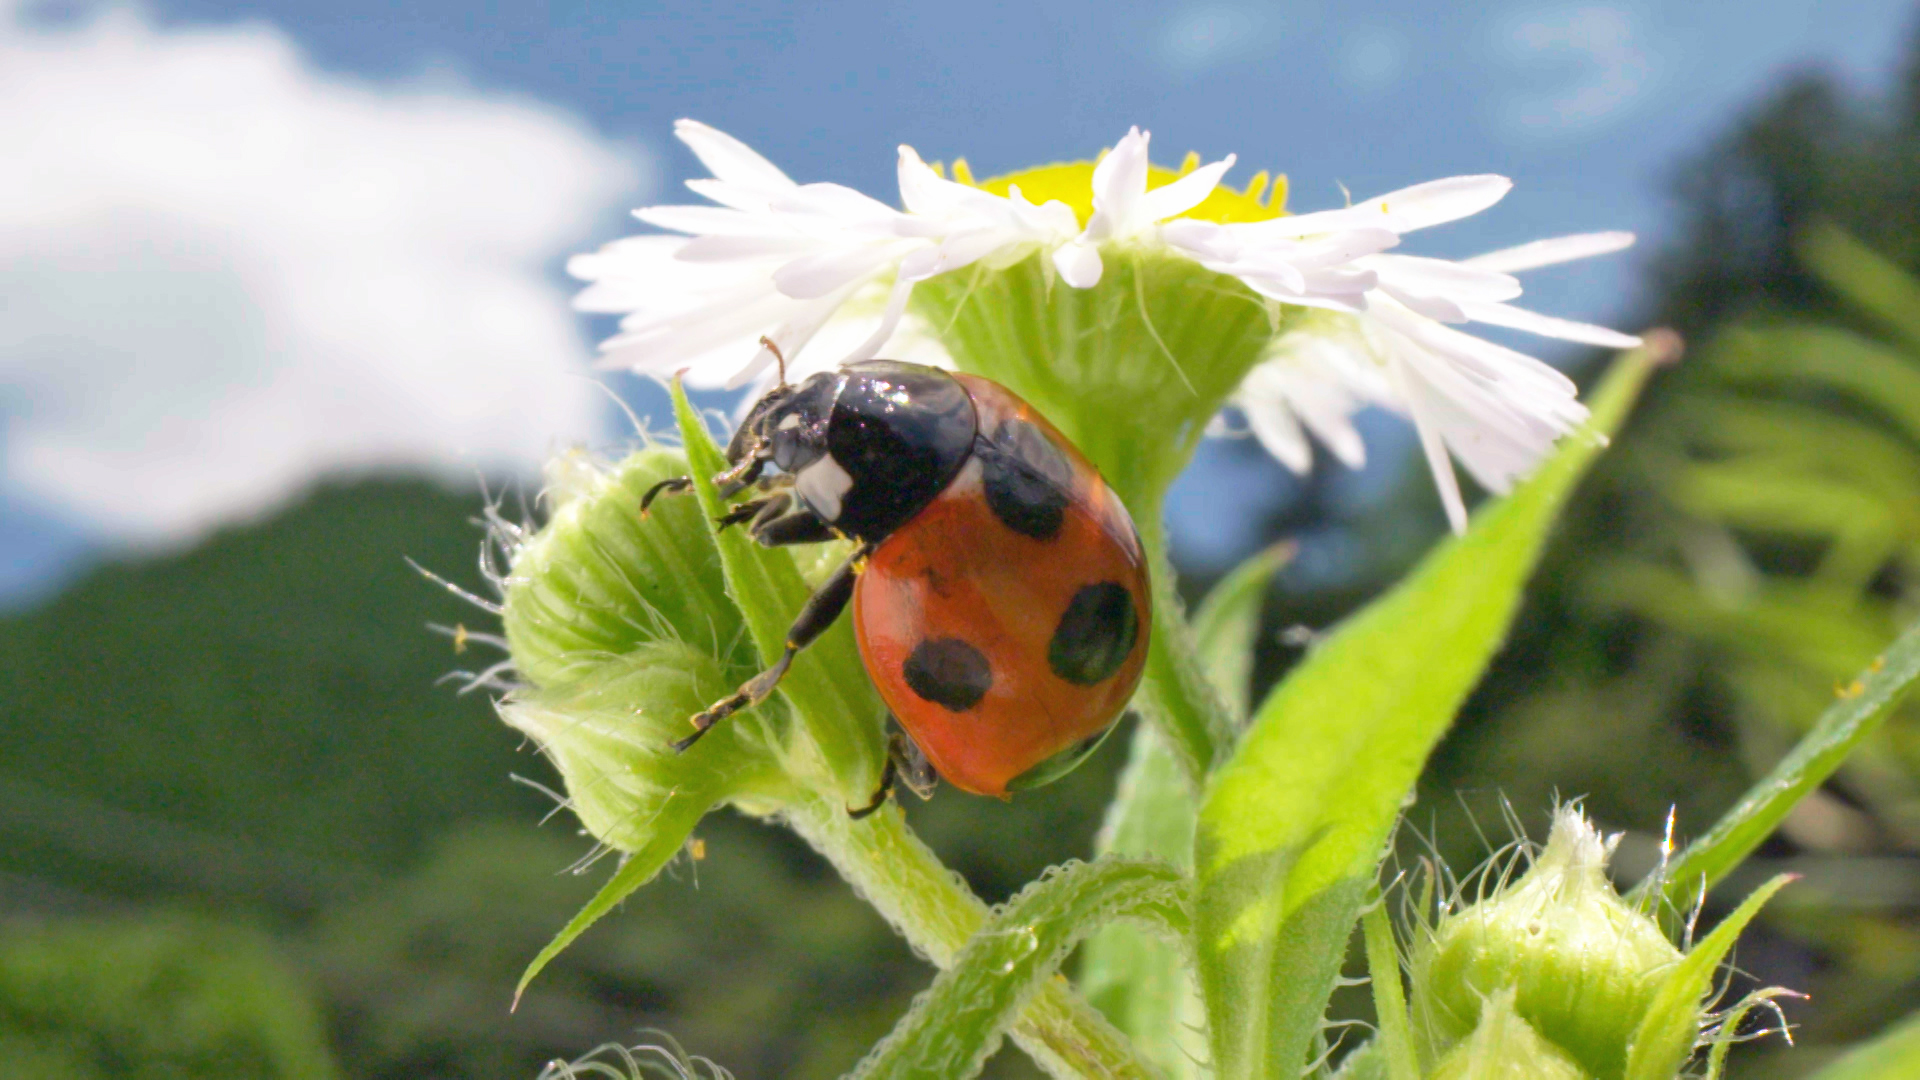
(959, 1021)
(1872, 282)
(1389, 994)
(1292, 826)
(1895, 1055)
(1841, 728)
(827, 686)
(1177, 694)
(1228, 619)
(1666, 1034)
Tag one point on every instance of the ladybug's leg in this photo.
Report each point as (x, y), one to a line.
(763, 510)
(741, 476)
(822, 608)
(905, 765)
(801, 526)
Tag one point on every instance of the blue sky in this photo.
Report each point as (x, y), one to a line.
(1589, 107)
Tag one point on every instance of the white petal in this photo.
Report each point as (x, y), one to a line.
(1548, 326)
(890, 318)
(837, 205)
(1435, 448)
(703, 220)
(1437, 201)
(1172, 200)
(729, 159)
(1442, 277)
(812, 276)
(1274, 425)
(1548, 252)
(1078, 263)
(721, 249)
(1119, 186)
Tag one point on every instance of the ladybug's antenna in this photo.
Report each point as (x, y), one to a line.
(767, 344)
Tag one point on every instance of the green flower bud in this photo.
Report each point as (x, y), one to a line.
(609, 734)
(1503, 1047)
(599, 579)
(1582, 966)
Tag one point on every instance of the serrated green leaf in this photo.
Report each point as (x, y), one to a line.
(1292, 826)
(959, 1021)
(1859, 712)
(827, 686)
(1894, 1055)
(1666, 1034)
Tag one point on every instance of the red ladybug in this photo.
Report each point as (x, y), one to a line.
(999, 592)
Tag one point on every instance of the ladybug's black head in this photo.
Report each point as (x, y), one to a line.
(788, 425)
(868, 446)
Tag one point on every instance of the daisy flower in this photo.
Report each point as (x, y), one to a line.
(1081, 303)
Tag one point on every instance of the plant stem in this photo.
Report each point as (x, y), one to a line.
(937, 913)
(1177, 695)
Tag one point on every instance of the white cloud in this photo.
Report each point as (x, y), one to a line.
(1600, 68)
(224, 273)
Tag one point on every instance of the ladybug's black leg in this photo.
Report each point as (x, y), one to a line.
(672, 485)
(802, 526)
(758, 511)
(905, 765)
(742, 475)
(822, 608)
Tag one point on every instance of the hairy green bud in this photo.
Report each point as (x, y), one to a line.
(600, 579)
(1582, 966)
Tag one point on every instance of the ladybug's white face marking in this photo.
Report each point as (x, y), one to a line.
(824, 485)
(791, 421)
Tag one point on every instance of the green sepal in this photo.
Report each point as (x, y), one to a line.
(1671, 1026)
(610, 734)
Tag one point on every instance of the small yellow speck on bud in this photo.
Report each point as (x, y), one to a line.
(1879, 664)
(1850, 691)
(459, 638)
(696, 849)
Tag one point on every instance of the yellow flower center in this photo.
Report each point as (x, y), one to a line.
(1072, 183)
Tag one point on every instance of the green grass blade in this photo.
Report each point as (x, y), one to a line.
(827, 686)
(1292, 826)
(1859, 712)
(1895, 1055)
(959, 1021)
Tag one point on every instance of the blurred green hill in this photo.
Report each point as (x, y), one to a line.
(243, 833)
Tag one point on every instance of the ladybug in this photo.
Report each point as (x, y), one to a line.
(999, 591)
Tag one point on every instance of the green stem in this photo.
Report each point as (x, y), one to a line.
(1177, 694)
(935, 911)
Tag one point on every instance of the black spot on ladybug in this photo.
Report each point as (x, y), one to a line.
(1028, 481)
(948, 672)
(1095, 635)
